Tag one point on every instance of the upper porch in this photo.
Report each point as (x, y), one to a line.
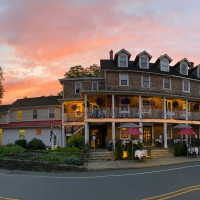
(112, 106)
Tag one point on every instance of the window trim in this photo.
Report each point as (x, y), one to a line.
(49, 113)
(97, 86)
(198, 69)
(140, 62)
(188, 85)
(128, 138)
(169, 83)
(121, 79)
(143, 79)
(183, 63)
(149, 111)
(161, 66)
(122, 54)
(76, 86)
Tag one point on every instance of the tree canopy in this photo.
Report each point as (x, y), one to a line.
(79, 71)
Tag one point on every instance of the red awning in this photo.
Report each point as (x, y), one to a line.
(187, 131)
(132, 131)
(32, 124)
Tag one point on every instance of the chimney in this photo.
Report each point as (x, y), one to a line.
(111, 55)
(192, 65)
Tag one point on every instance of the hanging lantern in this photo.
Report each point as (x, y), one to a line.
(196, 107)
(99, 101)
(126, 101)
(152, 103)
(175, 104)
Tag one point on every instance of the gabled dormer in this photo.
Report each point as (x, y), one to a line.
(182, 66)
(196, 71)
(142, 60)
(163, 63)
(122, 57)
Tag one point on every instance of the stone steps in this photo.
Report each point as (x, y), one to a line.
(97, 156)
(161, 153)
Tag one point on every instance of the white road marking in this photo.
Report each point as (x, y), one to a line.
(102, 176)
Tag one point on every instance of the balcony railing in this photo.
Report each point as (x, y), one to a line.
(131, 113)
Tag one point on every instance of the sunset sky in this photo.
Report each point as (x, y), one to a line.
(40, 40)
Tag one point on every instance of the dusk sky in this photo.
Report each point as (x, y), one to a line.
(40, 40)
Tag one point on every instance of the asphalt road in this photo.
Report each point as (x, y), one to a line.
(168, 182)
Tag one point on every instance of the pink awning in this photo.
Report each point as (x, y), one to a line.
(132, 131)
(187, 131)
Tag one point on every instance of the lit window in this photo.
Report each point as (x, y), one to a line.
(184, 69)
(146, 106)
(94, 86)
(78, 87)
(35, 114)
(164, 65)
(145, 81)
(124, 137)
(144, 63)
(124, 108)
(19, 114)
(78, 110)
(51, 113)
(21, 134)
(123, 79)
(38, 131)
(166, 83)
(186, 86)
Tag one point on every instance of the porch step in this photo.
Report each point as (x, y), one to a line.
(161, 153)
(97, 156)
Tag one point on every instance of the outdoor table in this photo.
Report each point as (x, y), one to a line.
(158, 140)
(141, 154)
(124, 142)
(135, 141)
(193, 151)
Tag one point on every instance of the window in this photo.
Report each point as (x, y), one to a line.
(21, 134)
(19, 114)
(166, 83)
(145, 81)
(184, 69)
(94, 86)
(144, 63)
(51, 113)
(124, 137)
(78, 87)
(1, 116)
(123, 79)
(38, 132)
(78, 110)
(35, 114)
(186, 86)
(146, 106)
(124, 108)
(164, 65)
(122, 61)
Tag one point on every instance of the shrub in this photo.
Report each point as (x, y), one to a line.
(74, 160)
(36, 144)
(119, 150)
(11, 148)
(131, 151)
(21, 143)
(195, 142)
(68, 149)
(177, 149)
(76, 141)
(184, 149)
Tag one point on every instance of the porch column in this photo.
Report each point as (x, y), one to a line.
(141, 130)
(86, 133)
(199, 132)
(113, 106)
(186, 114)
(152, 134)
(113, 135)
(165, 135)
(140, 107)
(63, 137)
(165, 108)
(85, 96)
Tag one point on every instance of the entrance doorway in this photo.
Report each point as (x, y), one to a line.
(147, 135)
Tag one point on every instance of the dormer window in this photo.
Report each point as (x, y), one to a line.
(123, 60)
(198, 72)
(144, 64)
(184, 69)
(164, 65)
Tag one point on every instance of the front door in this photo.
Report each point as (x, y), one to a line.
(147, 135)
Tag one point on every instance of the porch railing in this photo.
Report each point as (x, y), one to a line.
(74, 117)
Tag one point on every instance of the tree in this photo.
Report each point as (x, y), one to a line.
(79, 71)
(1, 86)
